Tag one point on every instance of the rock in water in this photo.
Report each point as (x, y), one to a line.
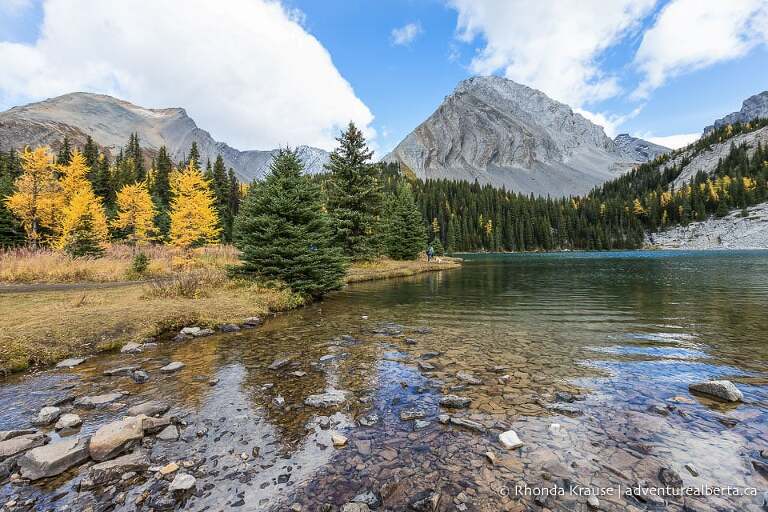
(468, 378)
(355, 507)
(183, 483)
(22, 443)
(68, 421)
(455, 402)
(411, 414)
(722, 389)
(172, 367)
(331, 398)
(91, 402)
(116, 437)
(338, 440)
(71, 362)
(510, 440)
(107, 471)
(151, 408)
(463, 422)
(53, 459)
(279, 363)
(140, 376)
(47, 415)
(131, 348)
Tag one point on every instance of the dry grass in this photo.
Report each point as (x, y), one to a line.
(385, 268)
(46, 266)
(40, 325)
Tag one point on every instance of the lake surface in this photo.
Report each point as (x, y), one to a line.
(587, 356)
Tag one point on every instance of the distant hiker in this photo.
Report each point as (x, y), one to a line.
(430, 253)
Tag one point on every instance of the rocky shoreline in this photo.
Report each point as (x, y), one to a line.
(435, 435)
(733, 231)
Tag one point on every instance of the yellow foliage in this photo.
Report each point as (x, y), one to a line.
(38, 197)
(82, 206)
(489, 227)
(73, 175)
(637, 207)
(665, 199)
(193, 216)
(749, 183)
(135, 213)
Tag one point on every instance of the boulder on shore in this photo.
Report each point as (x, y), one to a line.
(53, 459)
(722, 389)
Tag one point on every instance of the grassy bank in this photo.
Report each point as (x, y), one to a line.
(42, 326)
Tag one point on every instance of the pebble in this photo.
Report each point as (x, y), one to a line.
(412, 414)
(169, 468)
(140, 376)
(338, 440)
(510, 440)
(593, 502)
(455, 402)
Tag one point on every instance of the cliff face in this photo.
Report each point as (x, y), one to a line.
(753, 107)
(110, 122)
(497, 131)
(636, 149)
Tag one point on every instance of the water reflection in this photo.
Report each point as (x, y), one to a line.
(601, 345)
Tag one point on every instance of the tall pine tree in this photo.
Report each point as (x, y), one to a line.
(405, 235)
(354, 195)
(284, 233)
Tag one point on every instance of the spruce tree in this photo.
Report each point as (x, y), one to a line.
(194, 156)
(65, 152)
(405, 232)
(161, 188)
(354, 195)
(284, 234)
(91, 154)
(83, 241)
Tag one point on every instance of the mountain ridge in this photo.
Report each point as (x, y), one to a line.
(497, 131)
(754, 107)
(110, 121)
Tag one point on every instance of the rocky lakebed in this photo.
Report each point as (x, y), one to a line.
(336, 408)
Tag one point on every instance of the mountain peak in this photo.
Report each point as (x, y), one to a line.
(110, 121)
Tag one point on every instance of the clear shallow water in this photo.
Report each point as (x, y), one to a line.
(625, 333)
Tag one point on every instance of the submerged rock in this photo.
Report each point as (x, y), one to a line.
(107, 471)
(53, 459)
(425, 501)
(338, 440)
(722, 389)
(355, 507)
(455, 402)
(140, 376)
(116, 437)
(468, 378)
(123, 371)
(463, 422)
(71, 362)
(412, 414)
(172, 367)
(331, 398)
(279, 363)
(91, 402)
(229, 328)
(183, 482)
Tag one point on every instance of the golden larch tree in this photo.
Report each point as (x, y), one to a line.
(194, 220)
(37, 199)
(135, 213)
(82, 217)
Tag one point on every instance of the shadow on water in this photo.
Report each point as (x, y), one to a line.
(586, 355)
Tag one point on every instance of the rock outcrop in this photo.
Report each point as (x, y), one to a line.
(638, 150)
(754, 107)
(497, 131)
(111, 121)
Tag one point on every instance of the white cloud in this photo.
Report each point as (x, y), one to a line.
(609, 122)
(693, 34)
(673, 141)
(548, 44)
(246, 70)
(403, 36)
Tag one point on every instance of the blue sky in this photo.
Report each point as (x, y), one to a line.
(258, 73)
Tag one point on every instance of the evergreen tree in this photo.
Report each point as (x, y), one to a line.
(102, 180)
(284, 233)
(83, 241)
(91, 155)
(221, 190)
(194, 156)
(133, 153)
(11, 232)
(65, 152)
(354, 195)
(161, 189)
(405, 232)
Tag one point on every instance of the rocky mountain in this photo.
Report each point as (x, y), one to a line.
(638, 150)
(497, 131)
(110, 121)
(753, 107)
